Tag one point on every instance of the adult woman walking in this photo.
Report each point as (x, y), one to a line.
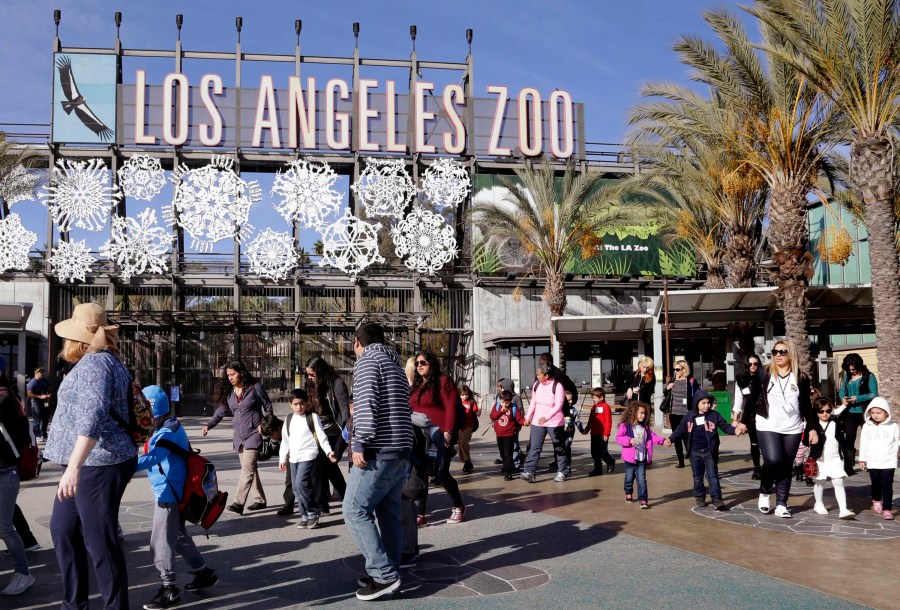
(682, 388)
(436, 396)
(781, 416)
(858, 388)
(545, 411)
(248, 402)
(329, 396)
(99, 457)
(644, 382)
(747, 391)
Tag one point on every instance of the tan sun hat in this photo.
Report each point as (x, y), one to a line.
(88, 325)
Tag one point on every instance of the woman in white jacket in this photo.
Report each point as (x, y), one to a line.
(878, 454)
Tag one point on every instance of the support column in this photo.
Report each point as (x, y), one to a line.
(658, 358)
(769, 335)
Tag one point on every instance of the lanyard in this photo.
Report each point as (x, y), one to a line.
(782, 387)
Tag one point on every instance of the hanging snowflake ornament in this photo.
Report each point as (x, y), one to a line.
(71, 260)
(350, 244)
(307, 193)
(80, 194)
(212, 203)
(272, 255)
(142, 177)
(18, 185)
(384, 187)
(15, 243)
(138, 246)
(446, 183)
(424, 241)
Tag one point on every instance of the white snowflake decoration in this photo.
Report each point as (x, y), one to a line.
(424, 241)
(80, 194)
(71, 260)
(384, 187)
(307, 193)
(272, 255)
(212, 203)
(18, 185)
(15, 243)
(350, 244)
(139, 245)
(446, 183)
(142, 177)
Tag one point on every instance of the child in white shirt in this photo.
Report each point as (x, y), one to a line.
(301, 437)
(878, 454)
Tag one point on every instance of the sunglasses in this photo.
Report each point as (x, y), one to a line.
(753, 363)
(421, 363)
(824, 411)
(678, 369)
(779, 352)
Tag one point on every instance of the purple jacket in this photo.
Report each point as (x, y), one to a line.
(247, 414)
(624, 437)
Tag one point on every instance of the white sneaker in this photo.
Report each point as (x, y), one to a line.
(764, 504)
(820, 509)
(846, 514)
(560, 477)
(782, 511)
(18, 584)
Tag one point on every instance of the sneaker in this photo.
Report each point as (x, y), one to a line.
(312, 522)
(407, 561)
(18, 584)
(257, 506)
(596, 472)
(782, 511)
(374, 590)
(421, 521)
(610, 468)
(468, 467)
(763, 504)
(644, 504)
(629, 498)
(560, 477)
(820, 509)
(887, 515)
(206, 577)
(302, 524)
(456, 515)
(236, 508)
(498, 461)
(700, 501)
(755, 476)
(877, 507)
(719, 504)
(167, 597)
(527, 476)
(365, 581)
(508, 477)
(285, 511)
(846, 514)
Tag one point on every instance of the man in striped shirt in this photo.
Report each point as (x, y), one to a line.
(381, 445)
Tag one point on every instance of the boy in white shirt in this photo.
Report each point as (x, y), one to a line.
(301, 437)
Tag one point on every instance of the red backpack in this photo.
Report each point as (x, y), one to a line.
(200, 502)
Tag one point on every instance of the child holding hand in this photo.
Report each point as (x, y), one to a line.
(599, 426)
(507, 419)
(878, 454)
(637, 439)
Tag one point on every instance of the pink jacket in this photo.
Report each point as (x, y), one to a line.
(547, 403)
(624, 437)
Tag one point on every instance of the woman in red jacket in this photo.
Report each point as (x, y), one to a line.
(436, 396)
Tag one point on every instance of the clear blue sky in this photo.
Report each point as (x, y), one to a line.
(599, 50)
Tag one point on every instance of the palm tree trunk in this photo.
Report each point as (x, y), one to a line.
(789, 231)
(555, 296)
(740, 257)
(873, 163)
(715, 275)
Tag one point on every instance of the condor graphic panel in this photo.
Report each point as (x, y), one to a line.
(84, 98)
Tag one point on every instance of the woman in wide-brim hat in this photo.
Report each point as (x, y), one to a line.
(99, 457)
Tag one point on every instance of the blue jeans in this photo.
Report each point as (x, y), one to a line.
(302, 482)
(9, 489)
(702, 462)
(559, 437)
(639, 469)
(373, 493)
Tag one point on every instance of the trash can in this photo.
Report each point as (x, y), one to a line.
(723, 406)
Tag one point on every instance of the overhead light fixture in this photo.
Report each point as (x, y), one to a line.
(137, 332)
(265, 334)
(202, 335)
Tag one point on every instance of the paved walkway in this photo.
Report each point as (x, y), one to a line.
(574, 545)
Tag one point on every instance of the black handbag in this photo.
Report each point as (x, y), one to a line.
(666, 406)
(267, 449)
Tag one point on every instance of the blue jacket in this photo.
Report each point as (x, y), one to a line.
(688, 426)
(174, 467)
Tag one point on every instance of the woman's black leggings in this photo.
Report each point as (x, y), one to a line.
(447, 481)
(852, 423)
(778, 452)
(681, 446)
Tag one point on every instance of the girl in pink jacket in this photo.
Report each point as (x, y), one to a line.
(545, 409)
(637, 439)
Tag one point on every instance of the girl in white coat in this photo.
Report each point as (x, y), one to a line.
(878, 454)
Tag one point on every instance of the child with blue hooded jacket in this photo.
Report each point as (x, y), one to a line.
(167, 472)
(700, 426)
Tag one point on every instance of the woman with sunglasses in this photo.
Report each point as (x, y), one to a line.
(747, 391)
(436, 396)
(682, 388)
(781, 416)
(858, 388)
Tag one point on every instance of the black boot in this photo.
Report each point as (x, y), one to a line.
(167, 597)
(755, 475)
(204, 578)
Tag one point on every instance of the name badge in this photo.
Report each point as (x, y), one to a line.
(700, 420)
(745, 391)
(598, 410)
(684, 401)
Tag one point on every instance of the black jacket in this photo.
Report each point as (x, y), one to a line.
(815, 451)
(16, 425)
(762, 405)
(645, 388)
(754, 383)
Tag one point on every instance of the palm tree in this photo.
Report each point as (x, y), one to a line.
(849, 51)
(17, 178)
(554, 218)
